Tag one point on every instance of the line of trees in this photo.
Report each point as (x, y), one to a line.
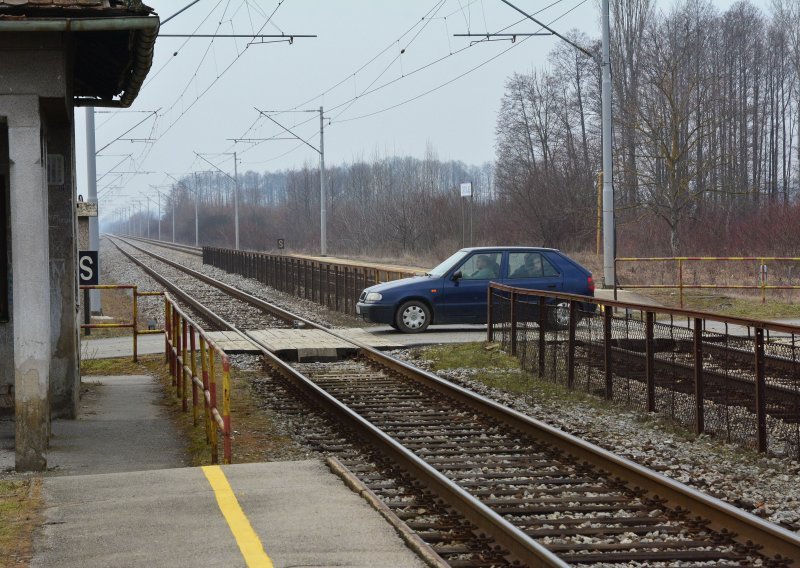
(706, 127)
(393, 207)
(706, 154)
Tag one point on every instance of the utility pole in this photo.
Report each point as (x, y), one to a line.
(148, 216)
(172, 201)
(609, 232)
(236, 199)
(155, 188)
(235, 179)
(609, 227)
(159, 214)
(196, 222)
(323, 209)
(91, 197)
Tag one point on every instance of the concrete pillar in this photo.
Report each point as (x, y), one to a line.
(31, 280)
(64, 365)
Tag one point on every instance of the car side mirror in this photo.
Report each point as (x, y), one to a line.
(457, 275)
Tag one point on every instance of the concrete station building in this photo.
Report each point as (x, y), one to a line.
(54, 55)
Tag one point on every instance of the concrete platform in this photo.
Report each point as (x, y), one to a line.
(116, 495)
(120, 427)
(302, 514)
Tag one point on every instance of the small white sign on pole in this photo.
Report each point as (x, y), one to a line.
(466, 189)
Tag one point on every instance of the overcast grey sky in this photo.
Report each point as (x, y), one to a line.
(391, 76)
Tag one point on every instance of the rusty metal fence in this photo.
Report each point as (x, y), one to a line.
(188, 348)
(133, 324)
(333, 285)
(736, 379)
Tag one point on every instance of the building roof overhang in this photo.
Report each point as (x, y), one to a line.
(113, 43)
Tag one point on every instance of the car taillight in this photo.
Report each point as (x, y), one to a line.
(590, 284)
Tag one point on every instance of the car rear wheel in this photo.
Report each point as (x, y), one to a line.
(413, 317)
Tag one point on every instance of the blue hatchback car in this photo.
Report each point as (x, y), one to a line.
(456, 290)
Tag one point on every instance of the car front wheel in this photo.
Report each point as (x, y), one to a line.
(413, 317)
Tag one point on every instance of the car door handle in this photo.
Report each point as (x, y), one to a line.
(552, 286)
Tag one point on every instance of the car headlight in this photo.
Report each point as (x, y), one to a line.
(373, 297)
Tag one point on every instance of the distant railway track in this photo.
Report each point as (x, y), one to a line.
(197, 251)
(483, 485)
(244, 310)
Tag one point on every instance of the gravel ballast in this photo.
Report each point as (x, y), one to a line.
(762, 485)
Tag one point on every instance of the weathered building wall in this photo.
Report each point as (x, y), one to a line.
(32, 67)
(6, 331)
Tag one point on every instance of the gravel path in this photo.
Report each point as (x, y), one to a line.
(765, 486)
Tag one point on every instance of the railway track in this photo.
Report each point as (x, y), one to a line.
(196, 290)
(483, 485)
(196, 251)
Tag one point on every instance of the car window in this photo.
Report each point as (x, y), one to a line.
(442, 268)
(481, 266)
(529, 265)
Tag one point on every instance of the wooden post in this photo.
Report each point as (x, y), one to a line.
(193, 354)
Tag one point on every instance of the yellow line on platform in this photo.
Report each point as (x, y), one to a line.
(246, 537)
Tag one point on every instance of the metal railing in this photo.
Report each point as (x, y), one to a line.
(334, 285)
(761, 273)
(187, 347)
(730, 377)
(133, 324)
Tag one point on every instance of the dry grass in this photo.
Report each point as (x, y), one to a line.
(20, 516)
(256, 436)
(726, 301)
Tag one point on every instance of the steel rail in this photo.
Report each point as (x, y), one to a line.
(185, 297)
(506, 534)
(775, 540)
(272, 309)
(188, 249)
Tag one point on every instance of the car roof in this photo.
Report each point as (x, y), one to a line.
(514, 248)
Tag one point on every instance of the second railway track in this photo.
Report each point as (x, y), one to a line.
(242, 311)
(486, 486)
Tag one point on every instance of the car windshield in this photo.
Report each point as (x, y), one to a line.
(441, 269)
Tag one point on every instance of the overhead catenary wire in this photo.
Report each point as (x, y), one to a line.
(425, 19)
(461, 75)
(179, 12)
(341, 108)
(153, 76)
(219, 75)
